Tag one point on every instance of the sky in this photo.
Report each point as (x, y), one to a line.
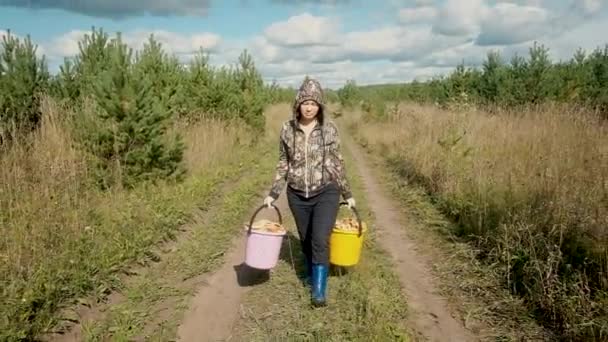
(334, 41)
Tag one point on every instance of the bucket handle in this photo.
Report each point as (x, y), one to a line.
(260, 209)
(356, 212)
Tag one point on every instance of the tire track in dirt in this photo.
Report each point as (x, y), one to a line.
(98, 312)
(429, 314)
(162, 311)
(215, 308)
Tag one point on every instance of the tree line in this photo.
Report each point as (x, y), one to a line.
(127, 99)
(500, 83)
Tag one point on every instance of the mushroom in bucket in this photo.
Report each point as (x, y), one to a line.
(264, 241)
(346, 240)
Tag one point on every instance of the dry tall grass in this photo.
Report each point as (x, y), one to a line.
(208, 141)
(62, 237)
(275, 116)
(530, 189)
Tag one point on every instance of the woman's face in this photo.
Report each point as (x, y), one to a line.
(309, 110)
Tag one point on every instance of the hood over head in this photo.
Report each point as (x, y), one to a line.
(309, 90)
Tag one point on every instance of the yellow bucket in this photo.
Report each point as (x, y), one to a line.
(345, 245)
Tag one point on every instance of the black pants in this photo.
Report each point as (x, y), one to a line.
(315, 218)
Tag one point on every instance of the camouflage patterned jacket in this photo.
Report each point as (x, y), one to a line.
(308, 165)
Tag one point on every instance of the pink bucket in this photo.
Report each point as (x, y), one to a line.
(263, 248)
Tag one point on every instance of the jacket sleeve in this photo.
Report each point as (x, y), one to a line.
(282, 168)
(339, 166)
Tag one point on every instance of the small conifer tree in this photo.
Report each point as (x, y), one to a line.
(132, 143)
(23, 79)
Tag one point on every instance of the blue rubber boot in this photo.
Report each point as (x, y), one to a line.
(319, 284)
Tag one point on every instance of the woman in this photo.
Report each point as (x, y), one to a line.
(311, 164)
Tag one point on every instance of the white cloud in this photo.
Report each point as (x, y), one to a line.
(457, 18)
(66, 45)
(380, 43)
(175, 43)
(326, 43)
(468, 53)
(302, 30)
(266, 50)
(334, 75)
(397, 43)
(509, 23)
(430, 39)
(417, 14)
(591, 6)
(588, 36)
(424, 39)
(423, 3)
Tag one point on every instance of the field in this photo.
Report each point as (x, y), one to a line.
(125, 180)
(527, 189)
(63, 238)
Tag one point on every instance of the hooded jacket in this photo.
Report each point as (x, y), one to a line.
(309, 165)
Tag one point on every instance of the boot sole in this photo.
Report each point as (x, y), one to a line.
(319, 303)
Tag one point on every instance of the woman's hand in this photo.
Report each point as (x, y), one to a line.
(268, 201)
(351, 203)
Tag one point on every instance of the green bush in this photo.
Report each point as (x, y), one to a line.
(125, 100)
(165, 76)
(23, 79)
(349, 95)
(131, 143)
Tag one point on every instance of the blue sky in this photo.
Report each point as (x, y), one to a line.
(370, 42)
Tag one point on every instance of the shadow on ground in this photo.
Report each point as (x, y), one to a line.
(298, 264)
(291, 254)
(247, 276)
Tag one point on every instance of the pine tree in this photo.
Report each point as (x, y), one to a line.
(65, 85)
(165, 75)
(491, 77)
(513, 89)
(251, 88)
(131, 144)
(93, 59)
(78, 75)
(538, 71)
(200, 76)
(24, 78)
(349, 94)
(596, 90)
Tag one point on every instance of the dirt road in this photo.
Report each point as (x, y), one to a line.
(216, 305)
(430, 316)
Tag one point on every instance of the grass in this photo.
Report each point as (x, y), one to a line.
(365, 303)
(474, 290)
(164, 287)
(526, 190)
(63, 240)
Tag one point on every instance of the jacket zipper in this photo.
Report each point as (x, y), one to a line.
(306, 162)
